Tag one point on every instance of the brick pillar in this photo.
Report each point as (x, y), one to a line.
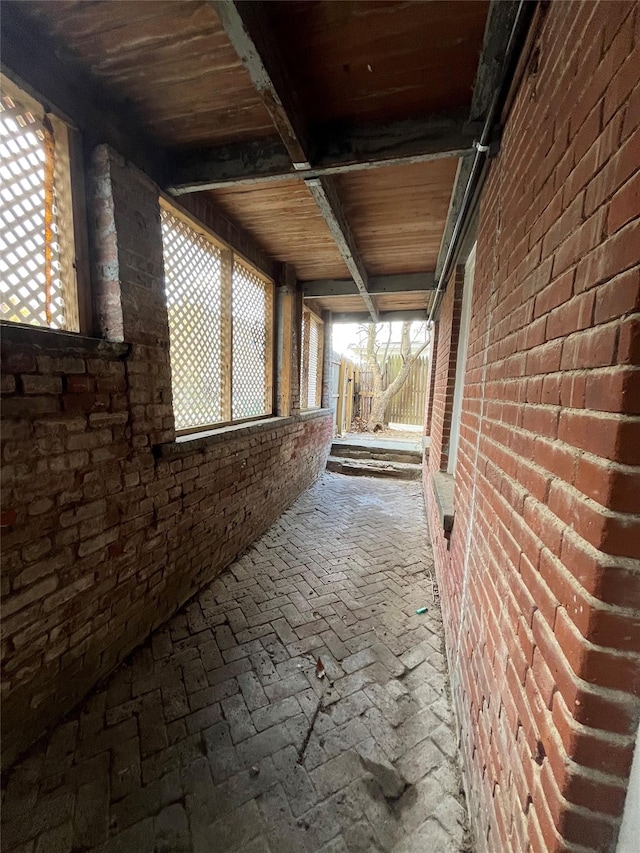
(128, 277)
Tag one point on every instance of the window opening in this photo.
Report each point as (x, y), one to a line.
(37, 252)
(311, 367)
(220, 329)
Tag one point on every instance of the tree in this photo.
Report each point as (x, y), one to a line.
(376, 363)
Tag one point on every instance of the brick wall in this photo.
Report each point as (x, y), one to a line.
(444, 370)
(541, 585)
(108, 523)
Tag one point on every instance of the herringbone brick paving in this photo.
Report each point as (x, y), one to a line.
(218, 735)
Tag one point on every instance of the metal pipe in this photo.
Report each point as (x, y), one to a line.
(482, 146)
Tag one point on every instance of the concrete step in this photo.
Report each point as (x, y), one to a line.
(374, 468)
(357, 451)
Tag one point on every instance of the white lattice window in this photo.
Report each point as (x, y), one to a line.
(252, 297)
(37, 251)
(220, 328)
(311, 361)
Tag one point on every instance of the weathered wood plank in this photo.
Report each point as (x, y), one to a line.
(248, 32)
(383, 316)
(336, 150)
(324, 192)
(376, 284)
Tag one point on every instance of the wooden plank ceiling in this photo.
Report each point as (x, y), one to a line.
(349, 63)
(170, 59)
(354, 60)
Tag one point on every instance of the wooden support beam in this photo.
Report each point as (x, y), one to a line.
(248, 31)
(336, 150)
(402, 283)
(383, 316)
(324, 192)
(500, 20)
(32, 59)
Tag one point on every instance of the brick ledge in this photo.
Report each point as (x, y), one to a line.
(443, 485)
(187, 444)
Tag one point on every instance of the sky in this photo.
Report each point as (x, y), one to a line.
(345, 334)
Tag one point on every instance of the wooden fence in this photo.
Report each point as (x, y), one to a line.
(407, 407)
(353, 393)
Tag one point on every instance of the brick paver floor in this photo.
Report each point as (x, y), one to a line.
(218, 735)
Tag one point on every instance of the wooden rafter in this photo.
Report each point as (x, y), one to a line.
(324, 192)
(401, 283)
(248, 32)
(383, 316)
(337, 150)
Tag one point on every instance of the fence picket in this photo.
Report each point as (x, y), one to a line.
(355, 393)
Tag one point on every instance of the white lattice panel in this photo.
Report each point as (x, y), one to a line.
(193, 285)
(252, 317)
(22, 223)
(314, 363)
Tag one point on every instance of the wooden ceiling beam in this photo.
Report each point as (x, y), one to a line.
(249, 33)
(384, 316)
(500, 20)
(336, 150)
(326, 197)
(401, 283)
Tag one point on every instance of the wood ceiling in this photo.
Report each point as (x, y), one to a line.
(397, 214)
(170, 59)
(174, 65)
(379, 61)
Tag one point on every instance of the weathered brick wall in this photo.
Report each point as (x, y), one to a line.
(108, 523)
(541, 587)
(102, 537)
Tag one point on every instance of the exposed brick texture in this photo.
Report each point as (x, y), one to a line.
(217, 735)
(108, 524)
(444, 371)
(541, 586)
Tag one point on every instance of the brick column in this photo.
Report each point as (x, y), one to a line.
(128, 278)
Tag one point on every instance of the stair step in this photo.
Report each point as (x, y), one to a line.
(356, 451)
(374, 468)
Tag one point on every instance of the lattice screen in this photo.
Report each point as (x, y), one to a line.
(193, 284)
(314, 361)
(311, 386)
(252, 321)
(24, 156)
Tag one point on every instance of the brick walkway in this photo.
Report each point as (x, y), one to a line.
(193, 747)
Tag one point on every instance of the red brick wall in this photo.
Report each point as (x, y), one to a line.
(108, 523)
(441, 396)
(541, 587)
